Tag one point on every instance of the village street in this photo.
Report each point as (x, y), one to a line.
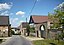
(16, 40)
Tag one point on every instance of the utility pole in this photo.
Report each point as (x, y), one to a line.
(26, 20)
(26, 26)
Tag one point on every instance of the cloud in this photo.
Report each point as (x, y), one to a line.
(5, 6)
(20, 13)
(11, 20)
(11, 13)
(14, 22)
(28, 19)
(15, 19)
(59, 6)
(18, 23)
(21, 21)
(6, 13)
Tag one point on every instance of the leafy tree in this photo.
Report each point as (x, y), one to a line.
(58, 21)
(32, 29)
(12, 32)
(57, 18)
(28, 29)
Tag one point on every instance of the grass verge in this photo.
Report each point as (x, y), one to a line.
(48, 42)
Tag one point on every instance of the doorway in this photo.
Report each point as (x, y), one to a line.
(42, 31)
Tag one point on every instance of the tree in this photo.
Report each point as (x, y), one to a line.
(57, 18)
(58, 21)
(28, 29)
(32, 29)
(12, 32)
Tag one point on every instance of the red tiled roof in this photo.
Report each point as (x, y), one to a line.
(39, 19)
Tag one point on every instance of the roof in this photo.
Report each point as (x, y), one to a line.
(15, 28)
(24, 24)
(38, 19)
(4, 20)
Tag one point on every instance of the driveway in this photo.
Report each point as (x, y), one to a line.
(17, 40)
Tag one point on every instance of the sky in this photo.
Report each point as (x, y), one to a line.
(19, 10)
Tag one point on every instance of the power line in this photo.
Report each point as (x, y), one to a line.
(33, 7)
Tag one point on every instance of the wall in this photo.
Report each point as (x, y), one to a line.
(45, 32)
(23, 31)
(53, 33)
(3, 30)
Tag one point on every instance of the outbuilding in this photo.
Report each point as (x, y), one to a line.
(41, 24)
(5, 26)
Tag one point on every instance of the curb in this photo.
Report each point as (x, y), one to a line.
(32, 39)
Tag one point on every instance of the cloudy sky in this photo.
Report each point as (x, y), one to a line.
(18, 10)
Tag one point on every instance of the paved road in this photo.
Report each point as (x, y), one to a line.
(17, 40)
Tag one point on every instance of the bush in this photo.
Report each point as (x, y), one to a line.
(12, 32)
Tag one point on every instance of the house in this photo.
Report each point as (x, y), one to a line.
(39, 21)
(42, 26)
(5, 26)
(23, 28)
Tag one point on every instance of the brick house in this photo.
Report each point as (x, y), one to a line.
(5, 27)
(42, 26)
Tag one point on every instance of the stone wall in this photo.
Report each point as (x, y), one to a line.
(3, 30)
(45, 32)
(53, 33)
(37, 30)
(23, 31)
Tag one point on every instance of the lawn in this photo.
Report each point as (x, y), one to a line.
(48, 42)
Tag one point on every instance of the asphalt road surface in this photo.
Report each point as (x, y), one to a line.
(16, 40)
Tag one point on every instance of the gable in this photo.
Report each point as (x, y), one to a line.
(4, 20)
(31, 20)
(38, 19)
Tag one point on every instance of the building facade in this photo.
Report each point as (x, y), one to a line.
(42, 26)
(22, 27)
(5, 27)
